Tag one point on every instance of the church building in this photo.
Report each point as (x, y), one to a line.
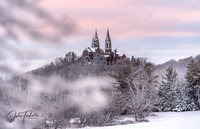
(95, 52)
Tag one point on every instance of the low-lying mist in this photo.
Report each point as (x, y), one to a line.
(51, 96)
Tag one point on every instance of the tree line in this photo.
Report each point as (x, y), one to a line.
(134, 91)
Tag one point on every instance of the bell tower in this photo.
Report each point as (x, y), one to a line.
(108, 45)
(96, 40)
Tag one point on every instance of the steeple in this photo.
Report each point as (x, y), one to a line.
(108, 45)
(96, 35)
(108, 35)
(93, 43)
(96, 40)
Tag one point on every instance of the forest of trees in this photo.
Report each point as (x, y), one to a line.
(94, 93)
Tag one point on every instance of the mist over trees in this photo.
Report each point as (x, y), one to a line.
(180, 66)
(72, 92)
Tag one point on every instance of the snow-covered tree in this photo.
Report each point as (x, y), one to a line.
(193, 81)
(173, 95)
(168, 90)
(136, 88)
(122, 71)
(142, 91)
(139, 61)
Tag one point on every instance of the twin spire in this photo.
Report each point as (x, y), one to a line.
(95, 42)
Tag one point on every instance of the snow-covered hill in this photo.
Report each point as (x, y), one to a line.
(163, 120)
(180, 66)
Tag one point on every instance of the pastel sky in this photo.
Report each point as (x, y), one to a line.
(157, 29)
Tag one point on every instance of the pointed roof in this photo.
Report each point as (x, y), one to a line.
(96, 35)
(108, 35)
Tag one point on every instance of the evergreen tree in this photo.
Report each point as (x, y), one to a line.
(193, 81)
(133, 61)
(167, 90)
(122, 71)
(173, 95)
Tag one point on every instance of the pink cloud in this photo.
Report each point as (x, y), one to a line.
(129, 17)
(126, 19)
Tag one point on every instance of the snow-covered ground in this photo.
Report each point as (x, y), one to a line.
(163, 120)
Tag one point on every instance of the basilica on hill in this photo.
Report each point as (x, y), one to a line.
(94, 52)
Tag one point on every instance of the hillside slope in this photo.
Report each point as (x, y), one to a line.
(180, 66)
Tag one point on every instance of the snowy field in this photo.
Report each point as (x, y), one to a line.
(164, 120)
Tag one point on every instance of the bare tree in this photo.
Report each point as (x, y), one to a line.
(142, 93)
(135, 88)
